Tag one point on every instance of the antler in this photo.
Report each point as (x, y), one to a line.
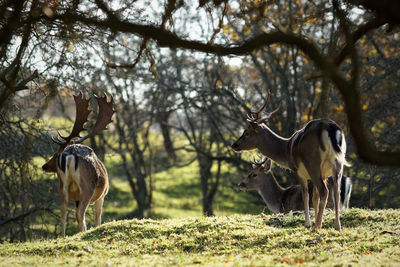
(256, 113)
(82, 113)
(262, 160)
(254, 118)
(260, 163)
(81, 117)
(106, 112)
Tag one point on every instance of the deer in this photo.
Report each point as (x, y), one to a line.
(83, 178)
(283, 200)
(314, 153)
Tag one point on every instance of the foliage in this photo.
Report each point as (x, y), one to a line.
(368, 238)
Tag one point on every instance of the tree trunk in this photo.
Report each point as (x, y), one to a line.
(205, 165)
(165, 131)
(98, 147)
(322, 108)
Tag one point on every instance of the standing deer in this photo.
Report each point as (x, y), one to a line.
(314, 152)
(82, 176)
(282, 200)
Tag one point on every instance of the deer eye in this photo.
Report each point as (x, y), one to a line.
(253, 175)
(246, 134)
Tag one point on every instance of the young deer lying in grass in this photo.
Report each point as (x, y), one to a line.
(314, 153)
(82, 176)
(282, 200)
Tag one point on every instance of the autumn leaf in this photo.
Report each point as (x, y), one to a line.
(339, 108)
(225, 29)
(70, 47)
(298, 260)
(235, 36)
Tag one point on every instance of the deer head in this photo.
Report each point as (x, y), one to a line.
(251, 135)
(254, 179)
(106, 111)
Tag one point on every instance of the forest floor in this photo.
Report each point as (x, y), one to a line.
(368, 238)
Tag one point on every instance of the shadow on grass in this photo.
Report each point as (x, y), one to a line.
(181, 190)
(349, 218)
(290, 220)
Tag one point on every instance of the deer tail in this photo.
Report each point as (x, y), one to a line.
(338, 143)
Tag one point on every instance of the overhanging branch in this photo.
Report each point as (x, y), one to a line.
(165, 38)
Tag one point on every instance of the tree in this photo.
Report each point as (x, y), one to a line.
(330, 67)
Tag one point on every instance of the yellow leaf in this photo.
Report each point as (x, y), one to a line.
(339, 108)
(70, 47)
(235, 36)
(309, 20)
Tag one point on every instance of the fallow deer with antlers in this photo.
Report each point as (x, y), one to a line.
(82, 176)
(279, 199)
(314, 152)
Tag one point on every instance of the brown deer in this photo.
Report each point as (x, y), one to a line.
(282, 200)
(314, 152)
(82, 176)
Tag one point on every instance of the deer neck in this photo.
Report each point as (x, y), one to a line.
(274, 147)
(272, 193)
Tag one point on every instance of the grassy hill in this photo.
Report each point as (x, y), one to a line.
(369, 238)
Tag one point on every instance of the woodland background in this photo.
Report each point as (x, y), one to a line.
(183, 75)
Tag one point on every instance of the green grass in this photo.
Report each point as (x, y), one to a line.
(177, 193)
(369, 238)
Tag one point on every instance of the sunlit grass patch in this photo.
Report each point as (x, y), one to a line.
(236, 240)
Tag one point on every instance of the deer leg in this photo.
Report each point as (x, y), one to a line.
(347, 192)
(337, 178)
(315, 200)
(98, 205)
(81, 210)
(323, 198)
(306, 201)
(64, 206)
